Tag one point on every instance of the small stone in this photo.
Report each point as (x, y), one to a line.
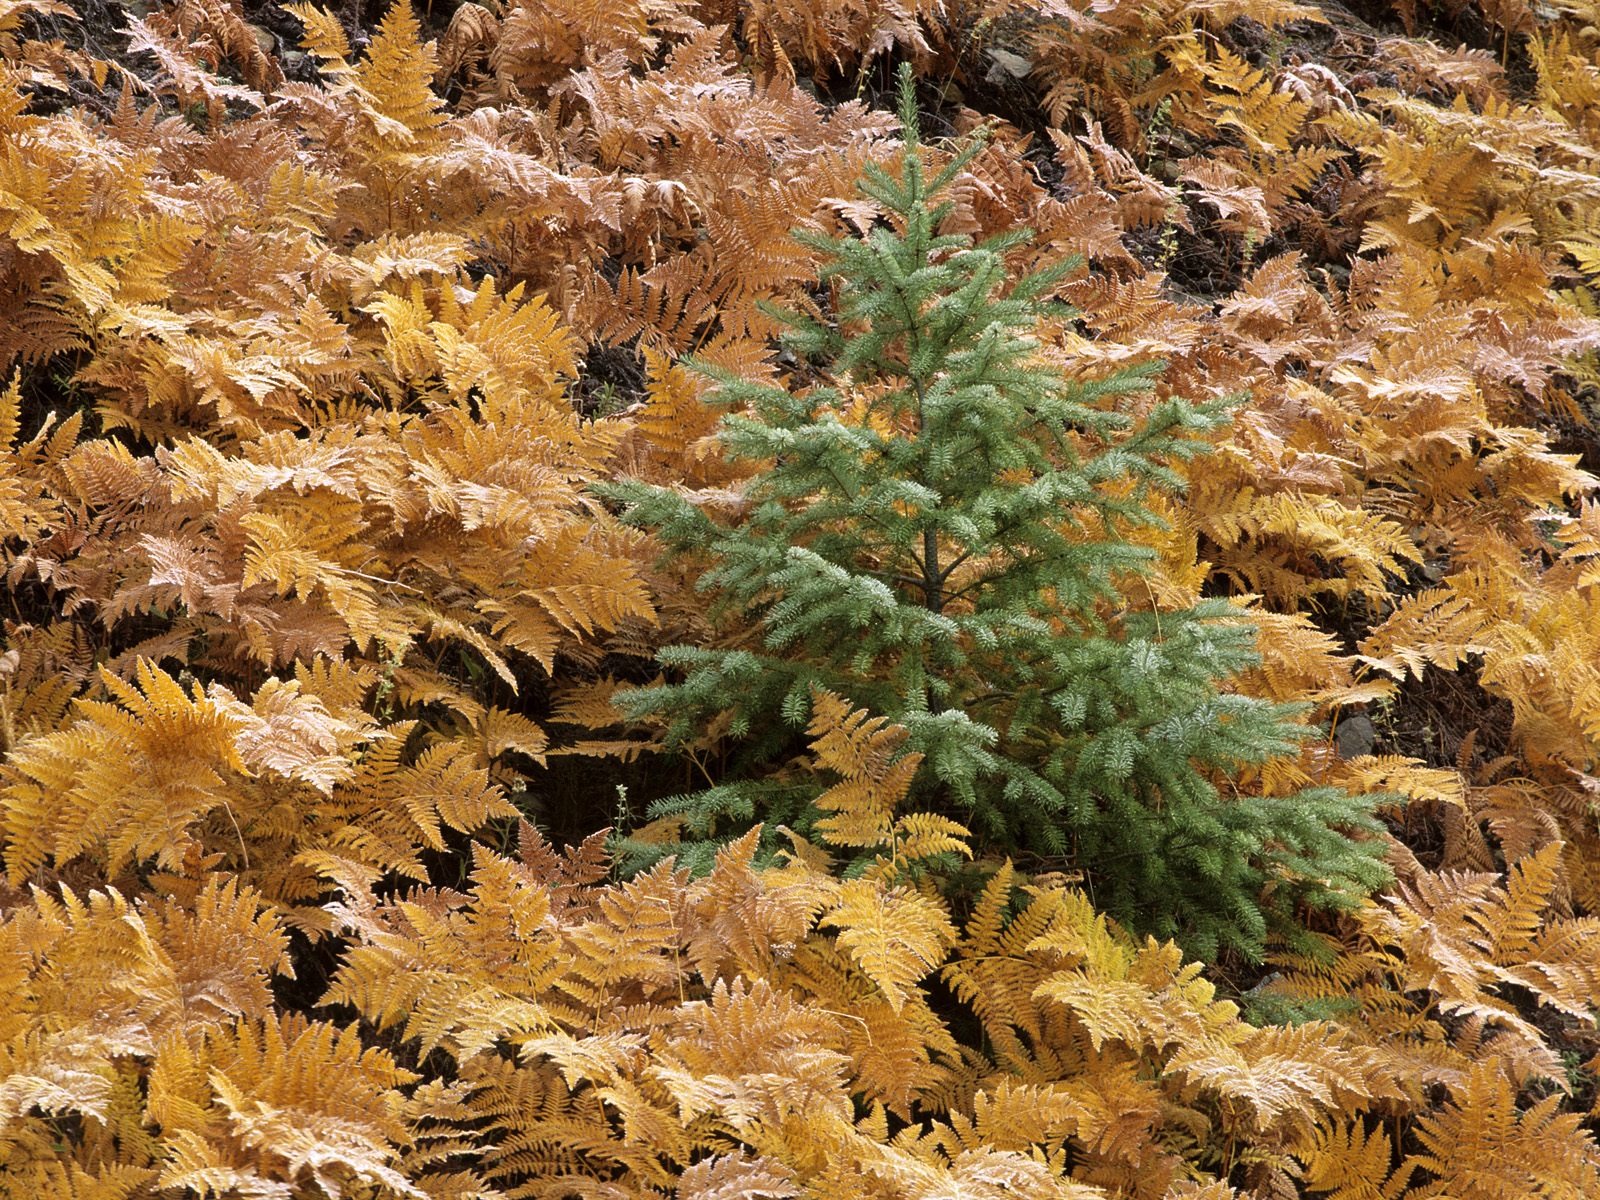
(265, 39)
(1010, 64)
(1355, 736)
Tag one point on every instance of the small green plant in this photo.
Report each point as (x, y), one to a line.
(942, 537)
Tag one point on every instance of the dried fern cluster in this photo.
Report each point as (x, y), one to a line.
(307, 584)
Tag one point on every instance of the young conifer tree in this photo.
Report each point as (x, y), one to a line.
(939, 537)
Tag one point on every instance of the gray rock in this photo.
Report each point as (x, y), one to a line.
(1354, 736)
(1007, 63)
(265, 39)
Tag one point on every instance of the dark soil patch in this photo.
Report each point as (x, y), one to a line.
(613, 378)
(1574, 433)
(1430, 718)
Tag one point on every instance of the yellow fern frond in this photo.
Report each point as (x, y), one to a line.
(895, 937)
(127, 779)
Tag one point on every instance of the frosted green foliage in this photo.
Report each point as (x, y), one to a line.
(951, 564)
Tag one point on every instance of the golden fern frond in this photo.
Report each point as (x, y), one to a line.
(457, 972)
(632, 942)
(736, 1176)
(1365, 550)
(1435, 627)
(1266, 118)
(1483, 1143)
(919, 836)
(981, 935)
(26, 509)
(127, 779)
(751, 1053)
(742, 918)
(992, 971)
(215, 31)
(1407, 777)
(294, 735)
(1191, 1190)
(667, 306)
(259, 1106)
(1580, 535)
(395, 81)
(53, 1074)
(895, 937)
(1349, 1161)
(1240, 205)
(1283, 1076)
(223, 946)
(1015, 1116)
(386, 810)
(182, 75)
(865, 750)
(897, 1057)
(677, 424)
(1512, 918)
(324, 36)
(536, 1126)
(98, 982)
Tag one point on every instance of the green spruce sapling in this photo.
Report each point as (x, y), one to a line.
(940, 538)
